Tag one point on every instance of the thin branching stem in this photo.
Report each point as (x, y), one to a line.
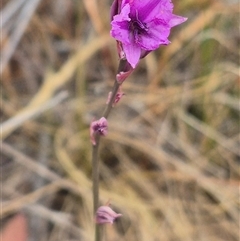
(95, 161)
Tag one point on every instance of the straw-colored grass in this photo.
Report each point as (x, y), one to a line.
(170, 163)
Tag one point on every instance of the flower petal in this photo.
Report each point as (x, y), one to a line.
(148, 10)
(120, 32)
(157, 35)
(120, 25)
(176, 20)
(133, 53)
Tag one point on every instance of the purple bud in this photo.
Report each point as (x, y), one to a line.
(105, 214)
(99, 127)
(124, 70)
(118, 97)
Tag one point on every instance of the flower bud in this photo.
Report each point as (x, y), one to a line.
(105, 214)
(99, 127)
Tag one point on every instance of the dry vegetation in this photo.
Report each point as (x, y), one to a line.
(170, 163)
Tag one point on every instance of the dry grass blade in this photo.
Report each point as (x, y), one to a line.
(24, 17)
(29, 113)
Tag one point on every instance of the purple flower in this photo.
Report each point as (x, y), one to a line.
(99, 127)
(141, 26)
(105, 214)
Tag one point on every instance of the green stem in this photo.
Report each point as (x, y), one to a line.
(110, 104)
(95, 162)
(95, 173)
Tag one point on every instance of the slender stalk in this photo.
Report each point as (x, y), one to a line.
(95, 162)
(110, 104)
(95, 174)
(95, 178)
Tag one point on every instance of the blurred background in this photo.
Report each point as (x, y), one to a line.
(170, 163)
